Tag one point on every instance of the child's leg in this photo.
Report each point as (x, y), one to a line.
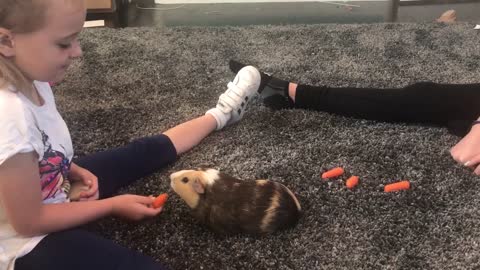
(78, 249)
(187, 135)
(425, 102)
(452, 105)
(119, 167)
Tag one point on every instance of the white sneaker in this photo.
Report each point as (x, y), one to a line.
(232, 104)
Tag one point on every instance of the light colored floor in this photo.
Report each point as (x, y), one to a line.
(254, 1)
(261, 13)
(147, 13)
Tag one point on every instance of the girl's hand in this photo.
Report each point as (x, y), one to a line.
(133, 207)
(467, 151)
(88, 179)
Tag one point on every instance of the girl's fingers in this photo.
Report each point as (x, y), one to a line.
(87, 182)
(149, 211)
(92, 187)
(88, 193)
(89, 197)
(146, 200)
(477, 170)
(473, 162)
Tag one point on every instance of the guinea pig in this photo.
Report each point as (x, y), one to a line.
(228, 205)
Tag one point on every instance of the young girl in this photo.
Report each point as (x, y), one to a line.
(38, 223)
(456, 106)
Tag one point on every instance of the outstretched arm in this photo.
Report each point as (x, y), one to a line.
(20, 194)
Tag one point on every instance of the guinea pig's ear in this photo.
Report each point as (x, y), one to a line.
(198, 186)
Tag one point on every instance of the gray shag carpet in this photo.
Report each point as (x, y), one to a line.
(141, 81)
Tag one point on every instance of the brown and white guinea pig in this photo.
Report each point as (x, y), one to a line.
(228, 205)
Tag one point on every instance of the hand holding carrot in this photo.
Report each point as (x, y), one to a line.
(133, 207)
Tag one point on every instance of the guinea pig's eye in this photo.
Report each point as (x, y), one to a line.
(185, 180)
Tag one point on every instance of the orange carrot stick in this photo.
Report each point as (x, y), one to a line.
(333, 172)
(352, 182)
(160, 200)
(402, 185)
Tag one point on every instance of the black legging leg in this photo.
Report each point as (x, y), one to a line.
(451, 105)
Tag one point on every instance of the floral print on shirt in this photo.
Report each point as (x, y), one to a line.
(54, 168)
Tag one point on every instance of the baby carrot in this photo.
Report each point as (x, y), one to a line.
(402, 185)
(352, 182)
(160, 200)
(333, 172)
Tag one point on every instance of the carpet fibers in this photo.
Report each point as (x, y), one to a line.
(141, 81)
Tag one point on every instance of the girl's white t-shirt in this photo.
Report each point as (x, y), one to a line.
(26, 127)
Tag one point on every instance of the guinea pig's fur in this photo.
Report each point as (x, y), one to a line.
(229, 205)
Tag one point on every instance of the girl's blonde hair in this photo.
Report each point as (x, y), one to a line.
(19, 16)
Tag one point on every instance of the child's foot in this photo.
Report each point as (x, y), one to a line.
(449, 16)
(273, 91)
(232, 104)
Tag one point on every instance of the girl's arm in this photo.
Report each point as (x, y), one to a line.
(20, 195)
